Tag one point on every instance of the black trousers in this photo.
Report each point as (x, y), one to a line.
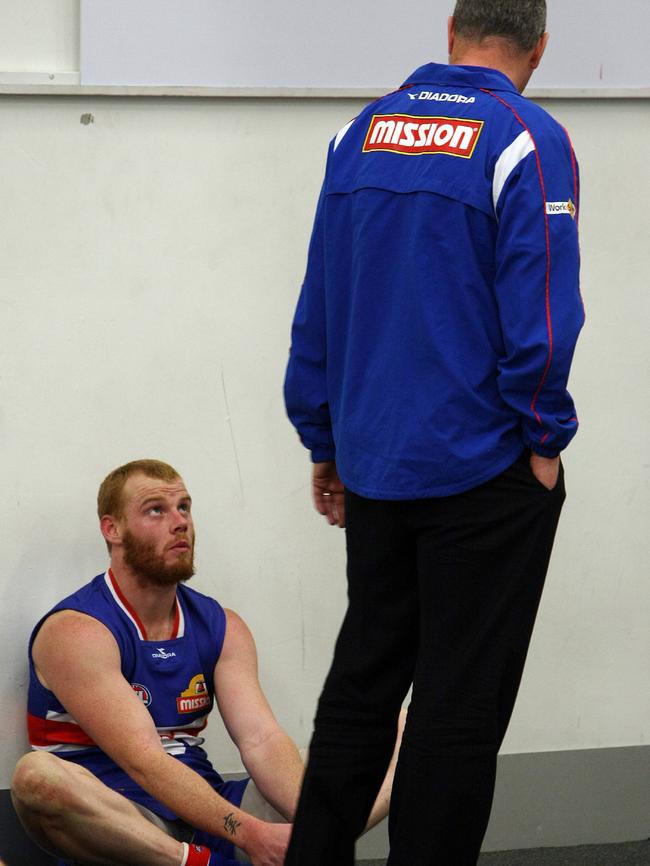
(443, 594)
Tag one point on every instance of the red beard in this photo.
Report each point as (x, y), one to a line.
(150, 567)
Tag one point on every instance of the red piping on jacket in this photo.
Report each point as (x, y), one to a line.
(547, 288)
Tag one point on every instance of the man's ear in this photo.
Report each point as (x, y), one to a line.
(451, 34)
(538, 51)
(110, 529)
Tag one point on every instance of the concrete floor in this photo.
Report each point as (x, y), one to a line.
(628, 854)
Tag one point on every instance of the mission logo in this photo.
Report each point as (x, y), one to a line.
(409, 134)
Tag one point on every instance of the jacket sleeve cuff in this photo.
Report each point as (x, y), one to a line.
(544, 450)
(323, 455)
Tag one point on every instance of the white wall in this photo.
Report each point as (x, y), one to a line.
(149, 265)
(586, 681)
(39, 35)
(290, 43)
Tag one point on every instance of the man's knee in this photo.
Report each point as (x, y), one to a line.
(39, 784)
(41, 790)
(442, 731)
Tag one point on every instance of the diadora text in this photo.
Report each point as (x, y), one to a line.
(162, 654)
(442, 97)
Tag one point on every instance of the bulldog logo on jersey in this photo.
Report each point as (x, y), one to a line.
(410, 134)
(194, 697)
(143, 693)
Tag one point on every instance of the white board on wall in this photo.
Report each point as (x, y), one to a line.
(337, 46)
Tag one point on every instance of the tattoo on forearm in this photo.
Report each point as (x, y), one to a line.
(231, 824)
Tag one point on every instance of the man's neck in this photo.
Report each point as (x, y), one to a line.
(489, 60)
(155, 605)
(496, 52)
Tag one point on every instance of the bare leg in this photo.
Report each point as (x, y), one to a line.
(71, 814)
(382, 803)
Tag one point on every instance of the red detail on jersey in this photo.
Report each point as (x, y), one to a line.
(192, 704)
(47, 732)
(191, 732)
(127, 605)
(143, 693)
(133, 613)
(177, 619)
(194, 697)
(198, 855)
(413, 134)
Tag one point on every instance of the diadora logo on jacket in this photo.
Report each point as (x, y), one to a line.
(442, 97)
(410, 134)
(194, 697)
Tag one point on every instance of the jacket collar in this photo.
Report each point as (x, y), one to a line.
(447, 75)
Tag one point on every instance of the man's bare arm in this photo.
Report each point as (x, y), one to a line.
(78, 659)
(268, 753)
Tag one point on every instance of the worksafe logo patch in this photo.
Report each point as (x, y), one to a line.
(409, 134)
(553, 208)
(195, 697)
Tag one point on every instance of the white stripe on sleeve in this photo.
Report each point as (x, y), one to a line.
(508, 162)
(341, 133)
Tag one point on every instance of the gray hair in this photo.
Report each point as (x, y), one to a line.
(521, 22)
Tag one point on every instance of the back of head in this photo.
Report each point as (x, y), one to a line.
(520, 22)
(109, 497)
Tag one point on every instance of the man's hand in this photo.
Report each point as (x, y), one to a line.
(266, 844)
(545, 470)
(327, 491)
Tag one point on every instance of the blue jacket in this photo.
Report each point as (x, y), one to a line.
(440, 309)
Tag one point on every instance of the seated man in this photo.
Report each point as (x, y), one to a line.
(123, 674)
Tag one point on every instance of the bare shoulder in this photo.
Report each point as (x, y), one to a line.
(238, 643)
(234, 622)
(71, 625)
(69, 638)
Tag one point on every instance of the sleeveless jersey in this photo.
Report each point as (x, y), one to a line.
(173, 678)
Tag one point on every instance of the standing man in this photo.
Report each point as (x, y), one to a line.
(430, 354)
